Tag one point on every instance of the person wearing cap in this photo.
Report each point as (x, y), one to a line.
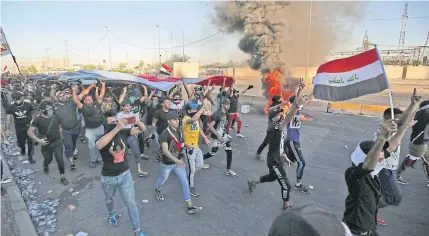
(22, 113)
(276, 103)
(172, 145)
(275, 157)
(191, 133)
(132, 140)
(390, 191)
(93, 117)
(115, 172)
(198, 96)
(308, 220)
(219, 137)
(50, 137)
(362, 181)
(233, 111)
(66, 111)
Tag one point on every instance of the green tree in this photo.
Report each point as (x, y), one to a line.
(89, 67)
(100, 67)
(32, 69)
(122, 67)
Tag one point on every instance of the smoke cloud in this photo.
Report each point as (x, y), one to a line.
(275, 34)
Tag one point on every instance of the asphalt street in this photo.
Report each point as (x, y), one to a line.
(228, 208)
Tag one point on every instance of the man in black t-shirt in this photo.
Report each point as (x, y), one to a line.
(233, 111)
(219, 137)
(172, 145)
(276, 158)
(93, 116)
(418, 147)
(115, 173)
(22, 112)
(160, 122)
(50, 137)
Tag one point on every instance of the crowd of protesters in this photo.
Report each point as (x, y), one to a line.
(114, 120)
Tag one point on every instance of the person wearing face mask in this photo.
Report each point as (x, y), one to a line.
(292, 144)
(93, 116)
(50, 136)
(177, 105)
(275, 158)
(66, 112)
(22, 113)
(115, 173)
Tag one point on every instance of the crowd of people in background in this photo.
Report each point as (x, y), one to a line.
(114, 120)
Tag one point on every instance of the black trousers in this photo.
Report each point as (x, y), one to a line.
(278, 172)
(263, 145)
(205, 121)
(22, 138)
(51, 150)
(142, 142)
(293, 152)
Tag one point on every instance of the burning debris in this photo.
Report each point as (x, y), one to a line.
(275, 34)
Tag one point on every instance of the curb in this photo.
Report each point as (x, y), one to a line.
(24, 224)
(362, 108)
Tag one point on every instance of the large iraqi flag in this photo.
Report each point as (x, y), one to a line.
(350, 77)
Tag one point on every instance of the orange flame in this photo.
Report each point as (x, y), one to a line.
(273, 80)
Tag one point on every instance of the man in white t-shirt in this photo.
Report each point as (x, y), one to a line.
(132, 140)
(390, 191)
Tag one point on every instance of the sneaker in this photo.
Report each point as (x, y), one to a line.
(46, 169)
(258, 157)
(64, 181)
(143, 174)
(31, 160)
(73, 167)
(75, 157)
(194, 193)
(229, 136)
(144, 156)
(251, 185)
(140, 233)
(231, 173)
(6, 180)
(158, 195)
(381, 221)
(206, 166)
(92, 164)
(288, 205)
(83, 140)
(193, 209)
(427, 184)
(301, 188)
(402, 181)
(76, 152)
(240, 135)
(113, 220)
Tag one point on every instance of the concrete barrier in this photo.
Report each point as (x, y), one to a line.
(360, 108)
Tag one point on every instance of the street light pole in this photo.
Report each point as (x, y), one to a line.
(159, 44)
(110, 50)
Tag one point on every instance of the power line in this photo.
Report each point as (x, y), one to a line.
(166, 48)
(99, 41)
(379, 19)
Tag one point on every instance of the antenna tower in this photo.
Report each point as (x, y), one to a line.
(404, 26)
(365, 42)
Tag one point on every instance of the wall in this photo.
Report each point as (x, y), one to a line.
(185, 69)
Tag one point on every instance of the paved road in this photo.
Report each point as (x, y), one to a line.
(229, 209)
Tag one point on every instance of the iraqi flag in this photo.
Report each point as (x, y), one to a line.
(5, 48)
(165, 70)
(350, 77)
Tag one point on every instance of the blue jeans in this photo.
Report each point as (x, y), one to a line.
(133, 142)
(69, 141)
(123, 182)
(164, 172)
(93, 134)
(390, 191)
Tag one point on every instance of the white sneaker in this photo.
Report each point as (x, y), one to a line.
(6, 180)
(240, 135)
(76, 152)
(229, 136)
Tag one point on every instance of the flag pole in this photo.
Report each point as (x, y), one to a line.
(16, 63)
(389, 91)
(308, 41)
